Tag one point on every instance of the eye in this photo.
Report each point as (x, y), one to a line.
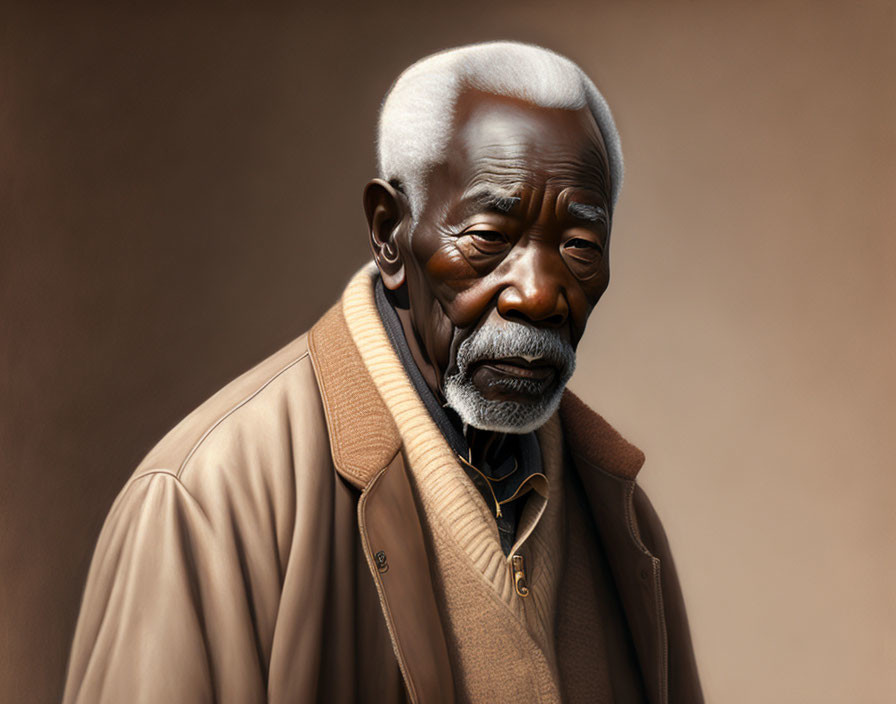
(487, 241)
(583, 250)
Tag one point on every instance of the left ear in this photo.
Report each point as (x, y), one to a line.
(388, 219)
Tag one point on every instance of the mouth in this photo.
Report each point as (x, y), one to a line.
(528, 376)
(536, 369)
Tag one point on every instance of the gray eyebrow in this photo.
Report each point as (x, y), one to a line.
(504, 203)
(583, 211)
(487, 196)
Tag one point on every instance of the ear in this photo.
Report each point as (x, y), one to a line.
(388, 220)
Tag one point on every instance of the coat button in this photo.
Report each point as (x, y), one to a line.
(381, 564)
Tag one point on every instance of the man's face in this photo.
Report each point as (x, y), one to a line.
(509, 256)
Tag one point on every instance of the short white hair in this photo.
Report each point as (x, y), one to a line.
(417, 113)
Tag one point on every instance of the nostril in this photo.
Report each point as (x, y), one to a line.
(554, 320)
(514, 314)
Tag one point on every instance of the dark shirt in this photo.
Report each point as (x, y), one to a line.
(508, 466)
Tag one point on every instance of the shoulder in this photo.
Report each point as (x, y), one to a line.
(254, 429)
(203, 533)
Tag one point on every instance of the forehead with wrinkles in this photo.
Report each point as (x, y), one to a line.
(500, 145)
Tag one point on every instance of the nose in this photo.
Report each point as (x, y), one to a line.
(534, 291)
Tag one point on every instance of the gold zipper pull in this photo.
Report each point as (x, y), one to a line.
(519, 575)
(469, 464)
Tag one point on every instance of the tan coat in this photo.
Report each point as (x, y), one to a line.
(270, 548)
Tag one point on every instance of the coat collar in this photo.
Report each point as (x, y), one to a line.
(363, 435)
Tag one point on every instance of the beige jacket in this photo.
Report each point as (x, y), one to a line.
(270, 547)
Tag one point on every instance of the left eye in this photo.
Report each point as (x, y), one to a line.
(581, 243)
(583, 255)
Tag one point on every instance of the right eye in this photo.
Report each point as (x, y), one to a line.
(487, 241)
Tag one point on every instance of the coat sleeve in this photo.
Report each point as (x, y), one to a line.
(163, 596)
(209, 580)
(183, 597)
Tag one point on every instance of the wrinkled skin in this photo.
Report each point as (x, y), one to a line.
(525, 256)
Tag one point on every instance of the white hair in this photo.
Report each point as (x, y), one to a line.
(417, 113)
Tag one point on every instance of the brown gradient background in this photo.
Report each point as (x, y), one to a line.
(181, 196)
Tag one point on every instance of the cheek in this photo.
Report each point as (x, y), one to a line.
(458, 298)
(593, 289)
(434, 327)
(443, 332)
(454, 284)
(448, 268)
(583, 301)
(431, 291)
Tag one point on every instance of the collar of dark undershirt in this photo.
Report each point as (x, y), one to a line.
(520, 451)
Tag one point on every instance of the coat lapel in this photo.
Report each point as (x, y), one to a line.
(396, 553)
(607, 465)
(365, 446)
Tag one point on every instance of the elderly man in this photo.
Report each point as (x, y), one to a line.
(404, 503)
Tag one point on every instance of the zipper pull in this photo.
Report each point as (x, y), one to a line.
(519, 575)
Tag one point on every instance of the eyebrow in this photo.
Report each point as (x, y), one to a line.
(589, 213)
(487, 197)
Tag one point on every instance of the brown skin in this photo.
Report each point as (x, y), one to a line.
(529, 260)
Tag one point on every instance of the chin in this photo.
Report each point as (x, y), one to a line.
(502, 416)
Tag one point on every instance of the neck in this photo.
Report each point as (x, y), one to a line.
(421, 359)
(483, 443)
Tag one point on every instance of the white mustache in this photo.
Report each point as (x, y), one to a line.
(517, 340)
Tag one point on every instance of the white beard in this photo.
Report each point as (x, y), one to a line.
(509, 340)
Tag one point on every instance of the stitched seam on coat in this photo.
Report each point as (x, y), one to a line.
(232, 410)
(183, 487)
(663, 634)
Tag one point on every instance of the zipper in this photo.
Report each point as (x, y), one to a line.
(520, 583)
(469, 464)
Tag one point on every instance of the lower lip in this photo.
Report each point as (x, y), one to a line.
(496, 380)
